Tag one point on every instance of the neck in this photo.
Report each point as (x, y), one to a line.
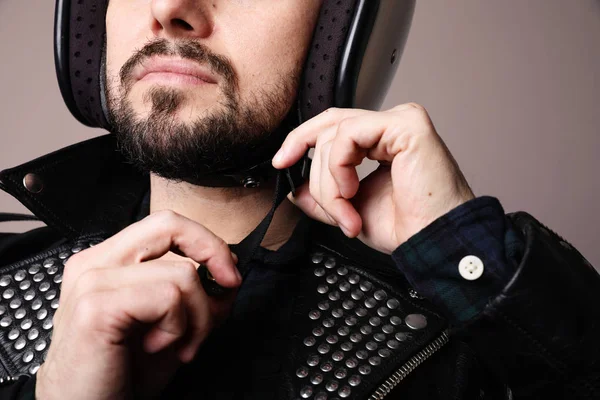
(230, 213)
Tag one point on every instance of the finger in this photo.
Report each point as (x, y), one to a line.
(306, 202)
(301, 139)
(182, 274)
(115, 314)
(157, 234)
(333, 203)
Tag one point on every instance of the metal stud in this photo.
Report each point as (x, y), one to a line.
(302, 372)
(328, 323)
(383, 311)
(8, 294)
(354, 380)
(25, 285)
(306, 392)
(58, 278)
(47, 324)
(332, 339)
(33, 183)
(332, 386)
(326, 366)
(6, 321)
(380, 337)
(337, 313)
(380, 295)
(2, 309)
(322, 289)
(331, 279)
(343, 331)
(44, 286)
(318, 331)
(351, 321)
(352, 363)
(393, 344)
(20, 275)
(323, 349)
(374, 321)
(33, 334)
(20, 343)
(41, 314)
(364, 370)
(319, 272)
(340, 373)
(330, 263)
(403, 336)
(316, 379)
(314, 314)
(323, 306)
(64, 255)
(40, 345)
(26, 324)
(337, 356)
(375, 361)
(385, 353)
(354, 279)
(345, 286)
(348, 304)
(29, 295)
(396, 320)
(344, 392)
(28, 356)
(346, 346)
(317, 258)
(416, 321)
(313, 360)
(37, 303)
(54, 304)
(16, 303)
(50, 295)
(388, 329)
(34, 269)
(34, 368)
(355, 337)
(362, 354)
(13, 334)
(321, 396)
(48, 263)
(310, 341)
(371, 346)
(334, 296)
(5, 280)
(361, 312)
(20, 313)
(366, 329)
(38, 277)
(342, 271)
(52, 270)
(357, 295)
(392, 304)
(370, 302)
(365, 286)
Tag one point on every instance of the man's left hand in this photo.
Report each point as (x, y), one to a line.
(417, 181)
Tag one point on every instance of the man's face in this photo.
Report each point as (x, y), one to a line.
(191, 82)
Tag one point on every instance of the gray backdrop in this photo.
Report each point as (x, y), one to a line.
(512, 86)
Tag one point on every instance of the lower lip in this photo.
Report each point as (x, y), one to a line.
(174, 78)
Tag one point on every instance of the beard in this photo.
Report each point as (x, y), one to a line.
(228, 138)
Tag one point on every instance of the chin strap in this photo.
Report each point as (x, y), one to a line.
(286, 181)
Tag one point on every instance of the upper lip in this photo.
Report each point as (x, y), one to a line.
(175, 66)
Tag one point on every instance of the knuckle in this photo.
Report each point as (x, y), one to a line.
(88, 280)
(416, 106)
(166, 217)
(171, 294)
(188, 272)
(87, 313)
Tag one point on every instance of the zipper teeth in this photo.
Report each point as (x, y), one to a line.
(400, 374)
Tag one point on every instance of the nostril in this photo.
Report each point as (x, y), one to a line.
(182, 24)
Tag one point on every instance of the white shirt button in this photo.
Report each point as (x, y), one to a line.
(470, 268)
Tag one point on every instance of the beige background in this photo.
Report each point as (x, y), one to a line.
(513, 87)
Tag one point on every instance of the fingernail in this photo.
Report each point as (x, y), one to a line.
(237, 273)
(345, 230)
(278, 158)
(235, 257)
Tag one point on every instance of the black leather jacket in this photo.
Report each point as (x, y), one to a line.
(323, 318)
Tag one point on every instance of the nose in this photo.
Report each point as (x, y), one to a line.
(181, 19)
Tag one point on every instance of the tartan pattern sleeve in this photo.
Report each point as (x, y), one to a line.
(431, 257)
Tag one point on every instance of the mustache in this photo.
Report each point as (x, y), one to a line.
(186, 49)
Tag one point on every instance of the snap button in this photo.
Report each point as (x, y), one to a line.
(470, 268)
(33, 183)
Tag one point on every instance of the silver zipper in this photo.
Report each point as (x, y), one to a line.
(398, 376)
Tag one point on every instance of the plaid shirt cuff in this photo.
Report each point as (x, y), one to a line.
(431, 257)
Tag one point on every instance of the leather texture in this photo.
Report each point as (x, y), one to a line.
(535, 339)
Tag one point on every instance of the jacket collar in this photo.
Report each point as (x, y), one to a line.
(84, 188)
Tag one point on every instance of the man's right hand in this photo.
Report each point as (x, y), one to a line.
(129, 316)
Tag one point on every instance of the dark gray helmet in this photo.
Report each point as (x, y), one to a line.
(354, 55)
